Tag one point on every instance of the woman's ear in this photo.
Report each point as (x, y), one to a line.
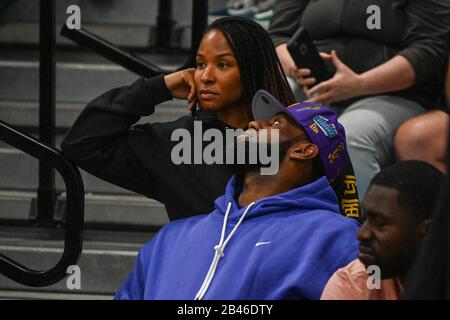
(303, 151)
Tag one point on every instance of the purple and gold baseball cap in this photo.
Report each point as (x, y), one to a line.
(320, 124)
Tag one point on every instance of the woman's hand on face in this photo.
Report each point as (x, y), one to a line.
(343, 85)
(181, 85)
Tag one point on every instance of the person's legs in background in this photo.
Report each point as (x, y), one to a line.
(424, 138)
(370, 125)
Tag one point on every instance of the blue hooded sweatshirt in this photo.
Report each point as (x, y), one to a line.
(286, 246)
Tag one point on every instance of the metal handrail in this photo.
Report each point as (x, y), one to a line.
(47, 88)
(74, 211)
(111, 52)
(139, 66)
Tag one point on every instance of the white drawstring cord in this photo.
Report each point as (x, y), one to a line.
(220, 248)
(222, 235)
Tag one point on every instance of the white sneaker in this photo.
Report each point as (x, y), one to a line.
(265, 15)
(241, 7)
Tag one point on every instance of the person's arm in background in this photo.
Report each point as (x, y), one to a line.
(284, 23)
(103, 140)
(394, 75)
(422, 61)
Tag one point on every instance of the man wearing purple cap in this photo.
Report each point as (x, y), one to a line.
(316, 121)
(275, 236)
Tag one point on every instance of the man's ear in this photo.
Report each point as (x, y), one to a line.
(303, 151)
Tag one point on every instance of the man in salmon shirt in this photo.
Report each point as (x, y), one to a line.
(398, 207)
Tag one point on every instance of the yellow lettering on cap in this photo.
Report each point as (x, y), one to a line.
(314, 128)
(350, 185)
(350, 207)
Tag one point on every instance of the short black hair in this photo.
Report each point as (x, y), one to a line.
(418, 183)
(257, 59)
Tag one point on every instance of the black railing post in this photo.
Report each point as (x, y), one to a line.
(47, 38)
(199, 22)
(199, 25)
(164, 25)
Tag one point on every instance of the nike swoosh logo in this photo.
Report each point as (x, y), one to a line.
(262, 243)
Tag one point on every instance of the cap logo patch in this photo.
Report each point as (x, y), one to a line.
(336, 153)
(328, 130)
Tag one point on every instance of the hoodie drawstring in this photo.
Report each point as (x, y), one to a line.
(220, 248)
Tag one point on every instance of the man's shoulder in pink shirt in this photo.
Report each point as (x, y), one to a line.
(351, 283)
